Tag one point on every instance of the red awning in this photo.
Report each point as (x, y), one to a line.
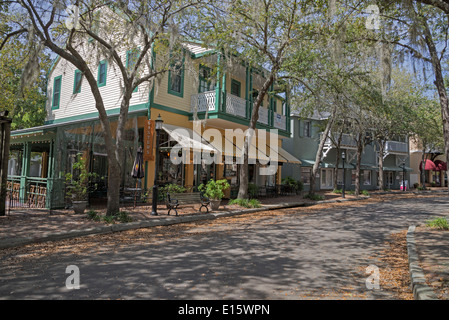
(429, 165)
(441, 165)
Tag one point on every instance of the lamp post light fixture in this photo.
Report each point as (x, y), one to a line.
(343, 158)
(158, 127)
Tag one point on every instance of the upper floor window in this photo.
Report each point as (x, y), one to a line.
(235, 88)
(56, 92)
(176, 79)
(102, 73)
(307, 129)
(77, 81)
(205, 81)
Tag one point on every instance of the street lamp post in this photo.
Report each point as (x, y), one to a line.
(158, 128)
(343, 157)
(403, 176)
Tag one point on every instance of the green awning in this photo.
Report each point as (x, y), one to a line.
(397, 169)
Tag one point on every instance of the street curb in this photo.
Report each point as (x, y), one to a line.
(420, 289)
(10, 243)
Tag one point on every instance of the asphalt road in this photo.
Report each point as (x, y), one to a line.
(298, 255)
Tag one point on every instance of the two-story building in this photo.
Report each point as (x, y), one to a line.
(306, 134)
(41, 156)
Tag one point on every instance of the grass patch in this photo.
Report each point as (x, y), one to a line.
(121, 216)
(440, 223)
(247, 203)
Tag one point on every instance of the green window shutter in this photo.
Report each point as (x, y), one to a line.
(56, 92)
(77, 81)
(102, 73)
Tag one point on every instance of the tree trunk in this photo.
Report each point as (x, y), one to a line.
(337, 161)
(243, 188)
(381, 163)
(319, 152)
(360, 144)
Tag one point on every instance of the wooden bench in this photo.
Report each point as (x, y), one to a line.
(176, 199)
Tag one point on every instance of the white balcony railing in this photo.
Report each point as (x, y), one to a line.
(347, 140)
(280, 121)
(204, 101)
(263, 115)
(235, 105)
(393, 147)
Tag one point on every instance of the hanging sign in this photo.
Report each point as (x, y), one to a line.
(148, 137)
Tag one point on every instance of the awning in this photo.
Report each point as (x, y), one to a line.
(429, 165)
(397, 169)
(441, 165)
(184, 137)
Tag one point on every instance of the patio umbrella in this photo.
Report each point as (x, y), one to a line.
(138, 171)
(429, 165)
(441, 165)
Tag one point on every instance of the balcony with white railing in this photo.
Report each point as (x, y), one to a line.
(347, 140)
(280, 121)
(235, 105)
(204, 101)
(263, 115)
(396, 147)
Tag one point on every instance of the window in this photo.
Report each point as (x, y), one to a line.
(131, 60)
(102, 73)
(366, 177)
(205, 82)
(353, 174)
(255, 94)
(77, 81)
(307, 127)
(176, 79)
(305, 175)
(56, 92)
(235, 88)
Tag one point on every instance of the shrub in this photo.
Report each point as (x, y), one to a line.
(438, 223)
(121, 216)
(93, 215)
(338, 191)
(247, 203)
(365, 192)
(214, 190)
(296, 185)
(314, 197)
(252, 190)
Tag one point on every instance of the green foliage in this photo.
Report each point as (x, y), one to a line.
(365, 193)
(247, 203)
(78, 183)
(440, 223)
(214, 190)
(253, 189)
(296, 185)
(337, 191)
(170, 188)
(121, 216)
(314, 197)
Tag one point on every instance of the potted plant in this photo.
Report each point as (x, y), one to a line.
(78, 184)
(214, 190)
